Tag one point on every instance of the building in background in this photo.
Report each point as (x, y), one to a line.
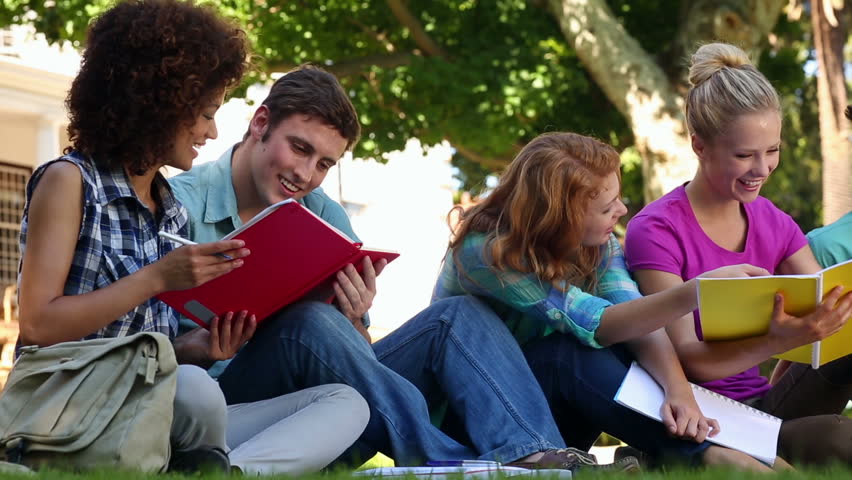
(34, 78)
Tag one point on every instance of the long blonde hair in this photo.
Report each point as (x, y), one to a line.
(534, 217)
(724, 85)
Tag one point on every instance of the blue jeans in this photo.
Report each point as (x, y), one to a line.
(456, 351)
(580, 383)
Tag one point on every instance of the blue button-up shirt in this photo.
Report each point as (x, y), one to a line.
(207, 192)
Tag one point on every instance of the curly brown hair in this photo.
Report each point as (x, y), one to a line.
(148, 67)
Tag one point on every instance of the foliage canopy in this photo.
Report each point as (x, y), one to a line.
(486, 76)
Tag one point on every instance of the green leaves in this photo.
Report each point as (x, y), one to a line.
(504, 74)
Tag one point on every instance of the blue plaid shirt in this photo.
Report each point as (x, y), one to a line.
(118, 236)
(531, 308)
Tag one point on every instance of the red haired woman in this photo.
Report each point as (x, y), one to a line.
(540, 251)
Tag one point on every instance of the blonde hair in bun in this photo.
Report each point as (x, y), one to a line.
(724, 85)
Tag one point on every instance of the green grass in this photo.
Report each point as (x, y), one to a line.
(380, 460)
(700, 474)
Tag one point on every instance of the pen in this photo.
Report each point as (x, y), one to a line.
(184, 241)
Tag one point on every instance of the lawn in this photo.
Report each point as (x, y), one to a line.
(382, 461)
(702, 474)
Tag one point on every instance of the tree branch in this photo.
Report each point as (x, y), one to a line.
(496, 163)
(830, 36)
(354, 66)
(418, 33)
(639, 88)
(742, 23)
(381, 38)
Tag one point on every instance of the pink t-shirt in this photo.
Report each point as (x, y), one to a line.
(666, 236)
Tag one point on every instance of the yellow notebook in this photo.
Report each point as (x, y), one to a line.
(734, 308)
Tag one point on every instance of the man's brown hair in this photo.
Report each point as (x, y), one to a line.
(310, 90)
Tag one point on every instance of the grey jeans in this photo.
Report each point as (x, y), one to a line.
(297, 433)
(200, 415)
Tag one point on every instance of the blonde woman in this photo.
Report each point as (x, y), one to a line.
(720, 219)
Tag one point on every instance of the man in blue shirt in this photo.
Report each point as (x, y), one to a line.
(456, 353)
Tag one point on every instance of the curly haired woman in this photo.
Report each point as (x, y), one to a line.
(153, 75)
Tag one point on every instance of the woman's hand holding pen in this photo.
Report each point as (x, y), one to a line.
(193, 265)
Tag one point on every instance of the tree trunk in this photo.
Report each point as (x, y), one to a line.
(639, 88)
(830, 33)
(636, 85)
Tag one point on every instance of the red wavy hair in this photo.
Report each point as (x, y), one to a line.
(534, 217)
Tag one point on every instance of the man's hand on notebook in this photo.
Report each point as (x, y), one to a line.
(203, 347)
(354, 292)
(229, 334)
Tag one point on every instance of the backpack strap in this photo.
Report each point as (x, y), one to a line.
(14, 450)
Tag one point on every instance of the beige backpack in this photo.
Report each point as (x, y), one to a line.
(91, 404)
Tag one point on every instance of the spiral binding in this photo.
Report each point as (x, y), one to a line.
(730, 400)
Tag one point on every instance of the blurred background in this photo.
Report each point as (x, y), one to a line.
(449, 90)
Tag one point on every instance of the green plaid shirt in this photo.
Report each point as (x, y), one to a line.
(531, 308)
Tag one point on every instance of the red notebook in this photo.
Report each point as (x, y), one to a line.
(293, 251)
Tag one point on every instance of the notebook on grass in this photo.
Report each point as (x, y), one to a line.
(742, 427)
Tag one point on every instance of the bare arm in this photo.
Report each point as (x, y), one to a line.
(706, 361)
(47, 315)
(800, 263)
(681, 414)
(635, 319)
(659, 308)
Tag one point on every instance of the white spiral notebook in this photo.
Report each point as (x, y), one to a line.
(741, 427)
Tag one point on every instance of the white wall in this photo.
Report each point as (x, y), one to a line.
(405, 203)
(34, 79)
